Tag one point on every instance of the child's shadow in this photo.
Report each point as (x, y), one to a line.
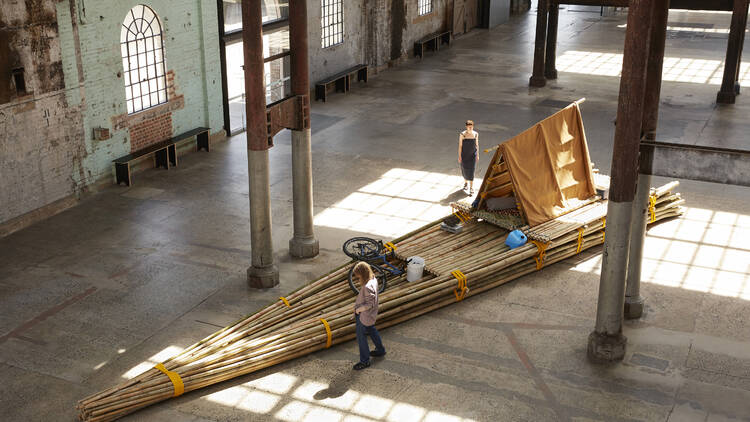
(338, 386)
(454, 197)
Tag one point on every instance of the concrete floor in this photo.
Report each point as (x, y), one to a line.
(100, 292)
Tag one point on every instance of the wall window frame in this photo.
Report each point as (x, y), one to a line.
(331, 23)
(424, 7)
(143, 59)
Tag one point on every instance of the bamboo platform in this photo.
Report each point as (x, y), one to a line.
(320, 314)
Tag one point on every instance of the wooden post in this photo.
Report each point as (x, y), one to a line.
(550, 70)
(537, 77)
(727, 92)
(742, 47)
(606, 343)
(655, 65)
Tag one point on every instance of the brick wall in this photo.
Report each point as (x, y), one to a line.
(151, 131)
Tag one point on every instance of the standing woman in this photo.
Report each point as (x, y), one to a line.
(468, 154)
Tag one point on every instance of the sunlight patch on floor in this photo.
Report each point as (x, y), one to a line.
(704, 250)
(400, 201)
(676, 69)
(142, 367)
(287, 398)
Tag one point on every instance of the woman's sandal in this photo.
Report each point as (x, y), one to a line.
(361, 365)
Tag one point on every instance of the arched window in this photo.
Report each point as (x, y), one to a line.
(143, 59)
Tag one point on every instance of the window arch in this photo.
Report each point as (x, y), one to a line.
(142, 49)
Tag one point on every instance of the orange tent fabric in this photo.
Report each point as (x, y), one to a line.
(550, 167)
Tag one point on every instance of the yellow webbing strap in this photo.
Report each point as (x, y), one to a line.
(604, 228)
(580, 240)
(461, 289)
(179, 387)
(390, 247)
(652, 207)
(328, 332)
(286, 302)
(541, 249)
(462, 216)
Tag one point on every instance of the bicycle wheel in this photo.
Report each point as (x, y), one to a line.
(362, 248)
(380, 274)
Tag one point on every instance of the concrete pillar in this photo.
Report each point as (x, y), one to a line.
(607, 343)
(727, 93)
(262, 272)
(303, 244)
(550, 69)
(537, 77)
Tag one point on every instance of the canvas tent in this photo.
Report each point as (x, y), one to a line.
(546, 168)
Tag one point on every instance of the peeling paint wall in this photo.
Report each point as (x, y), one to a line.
(70, 53)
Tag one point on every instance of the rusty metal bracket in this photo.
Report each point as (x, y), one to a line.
(290, 113)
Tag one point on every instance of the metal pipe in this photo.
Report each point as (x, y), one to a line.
(262, 272)
(606, 343)
(657, 45)
(537, 77)
(633, 308)
(303, 244)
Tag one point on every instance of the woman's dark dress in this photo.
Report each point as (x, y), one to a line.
(468, 158)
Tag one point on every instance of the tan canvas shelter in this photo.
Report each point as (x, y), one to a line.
(546, 167)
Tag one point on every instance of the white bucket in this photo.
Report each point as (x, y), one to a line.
(415, 268)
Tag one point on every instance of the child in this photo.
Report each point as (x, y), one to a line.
(365, 314)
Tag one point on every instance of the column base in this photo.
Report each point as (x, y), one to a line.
(724, 97)
(551, 74)
(634, 307)
(263, 277)
(651, 136)
(537, 82)
(301, 247)
(605, 348)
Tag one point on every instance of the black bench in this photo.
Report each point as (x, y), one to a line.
(433, 40)
(165, 153)
(340, 81)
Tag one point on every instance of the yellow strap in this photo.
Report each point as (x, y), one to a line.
(541, 249)
(390, 246)
(179, 387)
(286, 302)
(461, 290)
(604, 227)
(580, 240)
(462, 216)
(328, 332)
(483, 195)
(652, 207)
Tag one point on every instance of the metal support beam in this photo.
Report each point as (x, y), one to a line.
(262, 272)
(550, 69)
(303, 244)
(537, 77)
(728, 93)
(657, 45)
(607, 343)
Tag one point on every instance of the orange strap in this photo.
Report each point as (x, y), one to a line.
(604, 228)
(580, 240)
(328, 332)
(541, 253)
(652, 207)
(286, 302)
(179, 387)
(461, 289)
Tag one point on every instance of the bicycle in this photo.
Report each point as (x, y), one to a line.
(371, 251)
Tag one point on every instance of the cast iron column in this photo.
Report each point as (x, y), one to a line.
(633, 300)
(262, 273)
(550, 70)
(537, 77)
(727, 92)
(303, 244)
(742, 47)
(606, 343)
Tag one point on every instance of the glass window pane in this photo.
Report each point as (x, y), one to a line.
(137, 104)
(155, 98)
(162, 96)
(130, 107)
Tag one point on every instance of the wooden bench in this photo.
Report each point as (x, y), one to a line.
(341, 81)
(165, 153)
(434, 41)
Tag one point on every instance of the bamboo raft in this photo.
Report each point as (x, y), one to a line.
(320, 314)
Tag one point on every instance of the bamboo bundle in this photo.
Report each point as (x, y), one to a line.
(320, 314)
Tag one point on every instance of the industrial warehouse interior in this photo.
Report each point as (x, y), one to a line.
(178, 179)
